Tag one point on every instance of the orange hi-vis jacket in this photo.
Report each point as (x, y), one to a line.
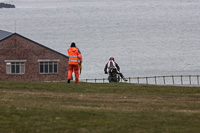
(74, 56)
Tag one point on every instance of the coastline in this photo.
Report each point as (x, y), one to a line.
(5, 5)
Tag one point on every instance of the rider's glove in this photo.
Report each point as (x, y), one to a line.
(106, 72)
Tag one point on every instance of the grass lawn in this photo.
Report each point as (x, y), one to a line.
(58, 107)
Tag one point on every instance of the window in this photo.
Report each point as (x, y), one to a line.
(15, 66)
(48, 67)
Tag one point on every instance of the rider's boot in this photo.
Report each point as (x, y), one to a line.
(123, 77)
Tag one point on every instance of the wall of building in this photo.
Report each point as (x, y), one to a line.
(17, 47)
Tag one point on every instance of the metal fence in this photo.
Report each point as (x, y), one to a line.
(156, 80)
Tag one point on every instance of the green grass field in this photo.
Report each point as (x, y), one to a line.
(58, 107)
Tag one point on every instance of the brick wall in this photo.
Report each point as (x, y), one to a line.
(18, 47)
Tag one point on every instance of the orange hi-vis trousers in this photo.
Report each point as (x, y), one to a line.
(74, 68)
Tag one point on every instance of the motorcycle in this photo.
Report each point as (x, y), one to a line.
(113, 75)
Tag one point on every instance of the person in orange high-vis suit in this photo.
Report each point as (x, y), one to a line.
(75, 59)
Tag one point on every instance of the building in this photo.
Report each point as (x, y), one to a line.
(22, 59)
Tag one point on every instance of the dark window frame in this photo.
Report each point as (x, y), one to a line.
(48, 67)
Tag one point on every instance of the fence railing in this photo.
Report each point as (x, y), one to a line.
(157, 80)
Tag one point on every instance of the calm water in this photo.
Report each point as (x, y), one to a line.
(146, 37)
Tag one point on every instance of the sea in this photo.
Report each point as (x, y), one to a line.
(146, 37)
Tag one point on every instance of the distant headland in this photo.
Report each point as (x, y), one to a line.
(5, 5)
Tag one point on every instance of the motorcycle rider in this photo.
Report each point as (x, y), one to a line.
(112, 63)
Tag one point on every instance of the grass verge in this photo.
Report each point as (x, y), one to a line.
(97, 108)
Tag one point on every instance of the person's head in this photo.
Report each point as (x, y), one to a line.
(73, 44)
(112, 58)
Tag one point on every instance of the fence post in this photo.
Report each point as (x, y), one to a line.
(138, 80)
(95, 80)
(129, 80)
(155, 80)
(164, 79)
(181, 80)
(146, 80)
(173, 79)
(86, 80)
(103, 80)
(190, 79)
(198, 79)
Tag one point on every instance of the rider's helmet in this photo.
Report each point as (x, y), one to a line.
(112, 58)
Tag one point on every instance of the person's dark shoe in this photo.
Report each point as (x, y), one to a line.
(68, 81)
